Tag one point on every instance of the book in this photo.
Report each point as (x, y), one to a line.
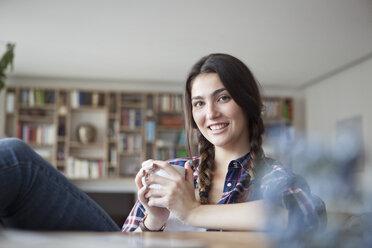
(10, 102)
(171, 120)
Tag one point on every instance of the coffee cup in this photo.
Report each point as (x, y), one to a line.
(163, 173)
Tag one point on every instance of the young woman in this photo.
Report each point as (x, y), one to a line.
(223, 106)
(231, 182)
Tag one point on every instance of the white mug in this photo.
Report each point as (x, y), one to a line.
(160, 172)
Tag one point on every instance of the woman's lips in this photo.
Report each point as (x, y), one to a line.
(218, 128)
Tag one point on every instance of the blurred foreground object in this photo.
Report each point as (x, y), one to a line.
(334, 168)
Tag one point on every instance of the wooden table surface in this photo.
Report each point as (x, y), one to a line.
(218, 239)
(22, 239)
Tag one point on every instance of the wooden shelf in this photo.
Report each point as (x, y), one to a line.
(61, 139)
(86, 157)
(126, 153)
(45, 107)
(132, 105)
(173, 146)
(129, 129)
(76, 144)
(36, 118)
(61, 163)
(112, 116)
(33, 144)
(88, 108)
(171, 112)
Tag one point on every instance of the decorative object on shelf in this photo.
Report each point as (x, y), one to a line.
(86, 133)
(6, 59)
(62, 110)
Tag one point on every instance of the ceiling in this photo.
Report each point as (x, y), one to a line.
(286, 43)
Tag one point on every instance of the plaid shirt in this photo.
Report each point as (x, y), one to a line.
(278, 185)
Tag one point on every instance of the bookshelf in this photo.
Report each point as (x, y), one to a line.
(130, 127)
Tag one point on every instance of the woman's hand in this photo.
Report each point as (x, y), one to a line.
(177, 193)
(156, 216)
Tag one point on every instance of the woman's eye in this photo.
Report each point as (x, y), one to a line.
(198, 104)
(223, 98)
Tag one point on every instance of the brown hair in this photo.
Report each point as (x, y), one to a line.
(244, 89)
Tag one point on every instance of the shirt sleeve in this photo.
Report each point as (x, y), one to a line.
(135, 216)
(290, 191)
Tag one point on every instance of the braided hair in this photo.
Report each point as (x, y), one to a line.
(244, 89)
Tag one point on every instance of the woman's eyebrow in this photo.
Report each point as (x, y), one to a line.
(213, 94)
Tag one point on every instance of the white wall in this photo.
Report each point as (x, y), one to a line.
(340, 97)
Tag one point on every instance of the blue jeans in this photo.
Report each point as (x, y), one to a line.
(34, 195)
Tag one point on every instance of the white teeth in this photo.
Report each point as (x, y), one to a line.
(218, 126)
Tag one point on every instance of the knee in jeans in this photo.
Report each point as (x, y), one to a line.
(13, 146)
(13, 143)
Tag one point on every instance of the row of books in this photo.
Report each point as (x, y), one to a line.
(84, 169)
(130, 142)
(37, 97)
(169, 153)
(131, 118)
(170, 102)
(36, 133)
(81, 98)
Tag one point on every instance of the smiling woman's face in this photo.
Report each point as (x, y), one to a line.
(218, 117)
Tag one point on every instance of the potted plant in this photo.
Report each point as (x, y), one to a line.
(5, 61)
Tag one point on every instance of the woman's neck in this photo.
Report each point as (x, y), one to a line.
(222, 156)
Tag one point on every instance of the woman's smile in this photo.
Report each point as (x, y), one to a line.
(218, 127)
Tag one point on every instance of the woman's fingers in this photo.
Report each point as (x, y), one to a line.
(148, 164)
(157, 201)
(138, 178)
(142, 194)
(156, 179)
(189, 173)
(156, 193)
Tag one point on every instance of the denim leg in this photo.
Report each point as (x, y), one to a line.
(34, 195)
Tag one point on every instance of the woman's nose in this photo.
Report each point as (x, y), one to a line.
(212, 111)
